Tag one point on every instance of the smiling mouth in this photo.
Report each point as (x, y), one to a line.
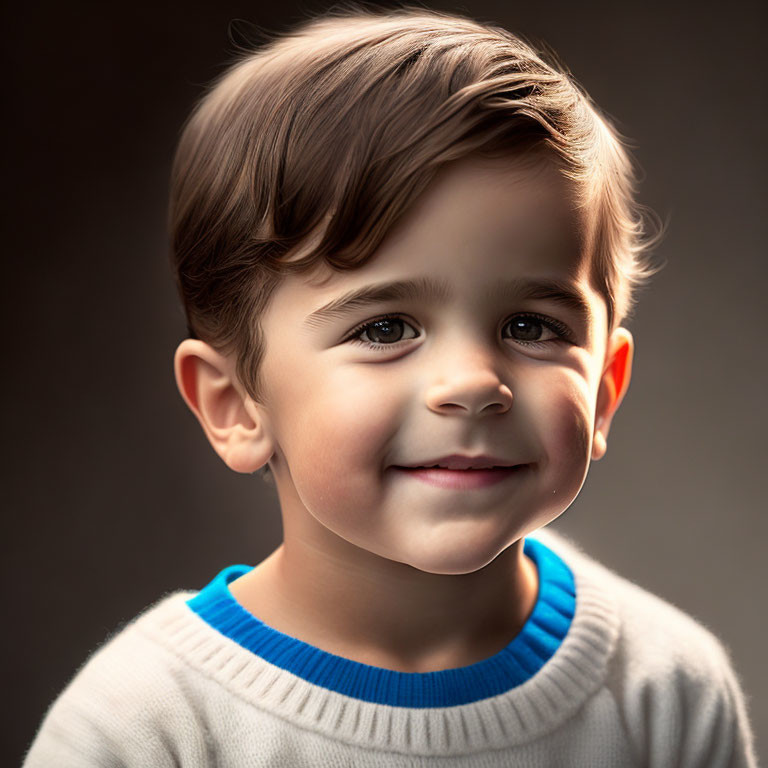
(463, 479)
(471, 471)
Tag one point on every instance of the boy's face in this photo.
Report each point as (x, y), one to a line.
(481, 369)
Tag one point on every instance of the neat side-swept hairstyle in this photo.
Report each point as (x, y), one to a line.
(316, 142)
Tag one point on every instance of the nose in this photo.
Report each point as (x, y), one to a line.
(470, 387)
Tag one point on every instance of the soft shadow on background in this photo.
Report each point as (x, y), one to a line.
(112, 495)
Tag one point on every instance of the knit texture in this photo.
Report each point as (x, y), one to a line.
(534, 645)
(603, 673)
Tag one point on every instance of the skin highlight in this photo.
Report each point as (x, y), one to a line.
(375, 565)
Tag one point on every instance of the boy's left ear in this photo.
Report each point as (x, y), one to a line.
(614, 383)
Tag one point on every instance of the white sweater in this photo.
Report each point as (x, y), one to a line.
(602, 674)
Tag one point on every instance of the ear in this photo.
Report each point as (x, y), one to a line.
(235, 426)
(614, 383)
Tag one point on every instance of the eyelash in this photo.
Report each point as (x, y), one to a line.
(563, 332)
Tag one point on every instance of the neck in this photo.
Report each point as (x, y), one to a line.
(353, 603)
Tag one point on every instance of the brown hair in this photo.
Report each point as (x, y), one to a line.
(317, 141)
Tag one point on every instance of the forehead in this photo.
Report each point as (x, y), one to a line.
(480, 220)
(519, 208)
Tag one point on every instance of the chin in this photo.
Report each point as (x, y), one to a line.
(456, 563)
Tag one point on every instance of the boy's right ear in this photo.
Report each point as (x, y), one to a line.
(234, 425)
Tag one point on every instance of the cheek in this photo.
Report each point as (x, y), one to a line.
(571, 431)
(564, 412)
(356, 414)
(335, 441)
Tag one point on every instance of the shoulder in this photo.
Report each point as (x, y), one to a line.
(122, 704)
(673, 680)
(130, 660)
(653, 629)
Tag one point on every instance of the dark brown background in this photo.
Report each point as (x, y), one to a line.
(112, 496)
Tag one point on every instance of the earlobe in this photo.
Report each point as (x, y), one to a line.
(233, 424)
(613, 386)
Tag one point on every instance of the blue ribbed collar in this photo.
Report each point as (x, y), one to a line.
(528, 652)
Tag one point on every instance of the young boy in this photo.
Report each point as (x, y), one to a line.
(405, 244)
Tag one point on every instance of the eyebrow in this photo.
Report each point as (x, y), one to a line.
(430, 289)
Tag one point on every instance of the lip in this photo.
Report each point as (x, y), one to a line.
(457, 461)
(462, 479)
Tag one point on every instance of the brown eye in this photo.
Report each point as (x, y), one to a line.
(528, 329)
(384, 332)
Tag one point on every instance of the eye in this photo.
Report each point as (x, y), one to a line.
(383, 332)
(527, 329)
